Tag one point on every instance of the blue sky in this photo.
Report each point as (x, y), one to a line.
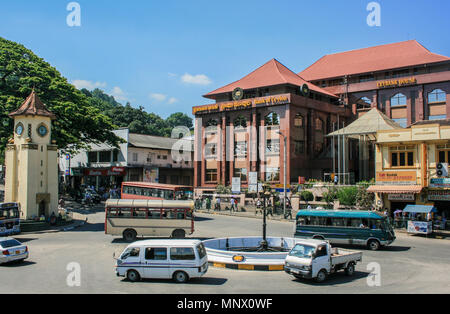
(164, 55)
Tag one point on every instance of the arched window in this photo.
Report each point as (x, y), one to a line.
(363, 103)
(212, 122)
(438, 95)
(398, 100)
(272, 119)
(298, 121)
(240, 121)
(319, 125)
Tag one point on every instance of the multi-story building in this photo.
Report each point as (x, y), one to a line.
(143, 158)
(254, 119)
(404, 80)
(408, 163)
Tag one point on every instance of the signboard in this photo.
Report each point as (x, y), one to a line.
(440, 183)
(260, 187)
(114, 171)
(439, 195)
(420, 227)
(236, 185)
(401, 197)
(397, 178)
(253, 178)
(397, 83)
(151, 174)
(253, 188)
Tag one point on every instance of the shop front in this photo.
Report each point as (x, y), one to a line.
(104, 177)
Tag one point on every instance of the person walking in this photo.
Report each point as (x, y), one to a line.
(217, 204)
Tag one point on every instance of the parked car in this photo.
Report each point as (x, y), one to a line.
(12, 250)
(179, 260)
(316, 259)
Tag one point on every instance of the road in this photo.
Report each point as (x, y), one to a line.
(411, 265)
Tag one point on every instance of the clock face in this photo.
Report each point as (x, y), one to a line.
(19, 129)
(42, 130)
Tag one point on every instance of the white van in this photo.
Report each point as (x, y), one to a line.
(179, 260)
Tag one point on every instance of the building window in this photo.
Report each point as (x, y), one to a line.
(402, 156)
(240, 173)
(366, 78)
(443, 152)
(211, 175)
(92, 157)
(211, 125)
(135, 157)
(240, 122)
(437, 96)
(398, 100)
(273, 146)
(298, 121)
(240, 149)
(438, 117)
(115, 155)
(402, 122)
(273, 174)
(299, 147)
(105, 156)
(319, 125)
(210, 150)
(272, 119)
(363, 103)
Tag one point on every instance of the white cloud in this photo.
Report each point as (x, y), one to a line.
(89, 85)
(119, 94)
(158, 97)
(172, 74)
(199, 79)
(172, 100)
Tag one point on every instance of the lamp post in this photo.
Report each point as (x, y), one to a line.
(284, 171)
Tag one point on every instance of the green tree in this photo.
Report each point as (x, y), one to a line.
(347, 195)
(307, 196)
(78, 123)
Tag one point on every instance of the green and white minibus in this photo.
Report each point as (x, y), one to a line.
(345, 227)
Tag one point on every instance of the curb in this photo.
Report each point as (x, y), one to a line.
(248, 267)
(69, 228)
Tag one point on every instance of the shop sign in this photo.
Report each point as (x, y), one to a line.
(205, 108)
(236, 185)
(95, 173)
(272, 100)
(420, 227)
(439, 195)
(118, 170)
(397, 178)
(401, 197)
(440, 183)
(397, 83)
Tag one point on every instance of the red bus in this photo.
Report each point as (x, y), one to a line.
(156, 191)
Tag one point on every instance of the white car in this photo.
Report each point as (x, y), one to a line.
(179, 260)
(12, 250)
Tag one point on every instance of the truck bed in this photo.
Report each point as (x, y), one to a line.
(341, 256)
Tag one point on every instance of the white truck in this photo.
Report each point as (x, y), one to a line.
(316, 259)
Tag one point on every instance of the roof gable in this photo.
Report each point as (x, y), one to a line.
(366, 60)
(271, 73)
(33, 106)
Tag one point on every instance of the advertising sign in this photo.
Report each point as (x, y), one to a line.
(420, 227)
(440, 183)
(253, 178)
(397, 178)
(236, 185)
(401, 197)
(151, 174)
(442, 195)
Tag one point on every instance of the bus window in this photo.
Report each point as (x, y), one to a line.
(154, 214)
(124, 213)
(181, 214)
(140, 213)
(339, 222)
(301, 222)
(355, 222)
(147, 192)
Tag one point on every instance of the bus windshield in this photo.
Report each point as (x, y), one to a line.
(302, 251)
(9, 213)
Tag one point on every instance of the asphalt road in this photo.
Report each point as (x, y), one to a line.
(411, 265)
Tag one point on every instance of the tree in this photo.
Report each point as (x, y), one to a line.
(78, 123)
(330, 196)
(307, 196)
(347, 195)
(179, 119)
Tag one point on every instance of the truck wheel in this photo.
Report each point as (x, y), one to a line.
(133, 276)
(374, 245)
(350, 270)
(178, 234)
(321, 276)
(180, 277)
(129, 235)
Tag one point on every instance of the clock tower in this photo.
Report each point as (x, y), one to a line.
(31, 161)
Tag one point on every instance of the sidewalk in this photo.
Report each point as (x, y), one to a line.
(248, 214)
(78, 221)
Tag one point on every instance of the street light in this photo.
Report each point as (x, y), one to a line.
(284, 172)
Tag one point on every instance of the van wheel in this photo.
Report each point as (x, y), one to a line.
(350, 270)
(374, 245)
(178, 234)
(133, 276)
(129, 235)
(180, 277)
(321, 276)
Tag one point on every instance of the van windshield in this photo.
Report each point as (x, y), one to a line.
(201, 250)
(302, 251)
(130, 252)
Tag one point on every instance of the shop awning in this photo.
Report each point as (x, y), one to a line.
(422, 209)
(395, 189)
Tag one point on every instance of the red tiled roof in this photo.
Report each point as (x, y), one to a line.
(33, 106)
(270, 74)
(379, 58)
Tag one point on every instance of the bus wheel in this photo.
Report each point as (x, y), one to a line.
(133, 276)
(374, 245)
(178, 234)
(129, 235)
(180, 277)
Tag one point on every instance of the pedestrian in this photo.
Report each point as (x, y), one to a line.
(336, 179)
(217, 204)
(208, 203)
